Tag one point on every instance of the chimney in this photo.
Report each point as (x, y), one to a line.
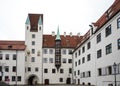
(78, 34)
(70, 34)
(53, 33)
(64, 34)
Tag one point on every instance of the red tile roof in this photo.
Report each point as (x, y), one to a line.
(113, 10)
(12, 45)
(66, 41)
(34, 18)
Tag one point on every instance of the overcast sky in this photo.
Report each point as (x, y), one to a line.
(71, 15)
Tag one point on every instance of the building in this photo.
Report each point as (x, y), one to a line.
(99, 49)
(64, 59)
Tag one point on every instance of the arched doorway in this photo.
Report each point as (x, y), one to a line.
(32, 80)
(46, 81)
(68, 81)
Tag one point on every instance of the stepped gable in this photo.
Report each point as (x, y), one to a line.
(34, 20)
(112, 11)
(66, 42)
(12, 45)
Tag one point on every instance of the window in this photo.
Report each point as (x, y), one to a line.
(89, 74)
(70, 70)
(6, 68)
(75, 63)
(69, 60)
(14, 68)
(44, 60)
(53, 71)
(99, 53)
(19, 78)
(29, 69)
(51, 51)
(51, 60)
(33, 51)
(13, 78)
(83, 49)
(7, 56)
(118, 22)
(6, 78)
(78, 72)
(98, 38)
(70, 51)
(33, 59)
(14, 56)
(108, 30)
(33, 42)
(109, 49)
(109, 70)
(76, 54)
(75, 73)
(118, 43)
(83, 60)
(79, 52)
(88, 57)
(36, 69)
(61, 71)
(99, 72)
(64, 51)
(79, 62)
(33, 35)
(45, 70)
(88, 45)
(64, 60)
(0, 68)
(45, 51)
(61, 79)
(1, 56)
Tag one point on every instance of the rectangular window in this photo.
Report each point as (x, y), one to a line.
(79, 62)
(79, 52)
(78, 72)
(109, 49)
(83, 49)
(36, 69)
(99, 53)
(14, 56)
(33, 51)
(33, 35)
(45, 70)
(61, 80)
(89, 74)
(6, 68)
(98, 38)
(118, 43)
(109, 70)
(29, 69)
(88, 45)
(14, 68)
(0, 68)
(1, 56)
(118, 22)
(76, 54)
(75, 73)
(19, 78)
(108, 31)
(45, 51)
(7, 56)
(33, 42)
(64, 60)
(51, 51)
(70, 70)
(44, 60)
(13, 78)
(6, 78)
(75, 63)
(33, 59)
(64, 52)
(53, 70)
(83, 60)
(99, 72)
(88, 57)
(61, 71)
(69, 60)
(51, 60)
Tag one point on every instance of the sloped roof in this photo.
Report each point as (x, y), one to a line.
(12, 45)
(113, 10)
(66, 41)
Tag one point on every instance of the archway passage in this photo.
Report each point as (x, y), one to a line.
(32, 80)
(46, 81)
(68, 81)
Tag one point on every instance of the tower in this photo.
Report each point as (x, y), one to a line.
(33, 42)
(58, 50)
